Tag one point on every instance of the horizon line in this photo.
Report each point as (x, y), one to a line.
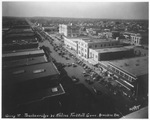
(76, 17)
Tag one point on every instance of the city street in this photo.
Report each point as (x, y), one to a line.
(77, 72)
(100, 91)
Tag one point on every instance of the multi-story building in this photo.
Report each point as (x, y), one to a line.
(71, 43)
(69, 30)
(136, 39)
(111, 53)
(85, 43)
(131, 74)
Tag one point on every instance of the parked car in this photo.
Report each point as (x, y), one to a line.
(68, 64)
(74, 65)
(74, 79)
(98, 92)
(89, 81)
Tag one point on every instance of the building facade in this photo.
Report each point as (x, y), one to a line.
(111, 53)
(132, 74)
(71, 43)
(69, 30)
(86, 43)
(136, 39)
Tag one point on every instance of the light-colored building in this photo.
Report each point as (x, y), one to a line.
(69, 30)
(71, 43)
(63, 29)
(132, 74)
(136, 39)
(105, 34)
(85, 43)
(111, 53)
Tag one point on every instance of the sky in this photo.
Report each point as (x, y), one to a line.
(109, 10)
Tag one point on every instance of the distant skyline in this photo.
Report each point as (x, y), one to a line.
(103, 10)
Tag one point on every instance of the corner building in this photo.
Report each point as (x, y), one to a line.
(85, 44)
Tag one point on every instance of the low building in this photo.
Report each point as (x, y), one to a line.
(132, 74)
(24, 61)
(27, 74)
(30, 83)
(20, 44)
(84, 44)
(141, 51)
(13, 55)
(51, 29)
(111, 53)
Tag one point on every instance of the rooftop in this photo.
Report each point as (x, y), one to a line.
(136, 66)
(105, 50)
(23, 53)
(80, 37)
(24, 61)
(94, 40)
(21, 74)
(21, 50)
(23, 34)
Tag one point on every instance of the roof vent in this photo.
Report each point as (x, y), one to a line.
(126, 64)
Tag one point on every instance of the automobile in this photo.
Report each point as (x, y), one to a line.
(74, 65)
(67, 58)
(74, 79)
(85, 74)
(63, 65)
(89, 81)
(68, 64)
(98, 92)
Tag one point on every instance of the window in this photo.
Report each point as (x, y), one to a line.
(39, 71)
(95, 46)
(133, 79)
(113, 69)
(130, 79)
(126, 76)
(85, 50)
(18, 72)
(96, 56)
(54, 89)
(117, 71)
(122, 74)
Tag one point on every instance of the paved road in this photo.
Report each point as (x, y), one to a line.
(118, 101)
(77, 71)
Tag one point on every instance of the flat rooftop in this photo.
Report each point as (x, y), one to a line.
(79, 37)
(117, 49)
(26, 73)
(136, 66)
(24, 61)
(54, 91)
(23, 34)
(23, 53)
(93, 40)
(21, 50)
